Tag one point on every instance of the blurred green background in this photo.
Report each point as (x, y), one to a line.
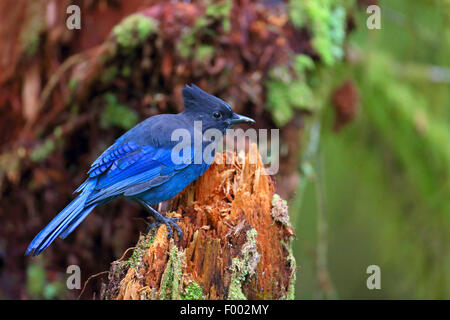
(379, 193)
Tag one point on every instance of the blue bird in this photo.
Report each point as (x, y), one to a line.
(139, 166)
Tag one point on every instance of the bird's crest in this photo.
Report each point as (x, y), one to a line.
(196, 99)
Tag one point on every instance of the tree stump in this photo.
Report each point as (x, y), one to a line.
(236, 242)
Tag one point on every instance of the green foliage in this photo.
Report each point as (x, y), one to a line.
(54, 290)
(326, 20)
(303, 63)
(386, 175)
(204, 52)
(38, 286)
(36, 279)
(288, 88)
(109, 74)
(133, 30)
(116, 114)
(221, 11)
(42, 151)
(407, 126)
(287, 91)
(126, 71)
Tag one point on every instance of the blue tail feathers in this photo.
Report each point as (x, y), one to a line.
(65, 222)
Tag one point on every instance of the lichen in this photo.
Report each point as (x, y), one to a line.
(244, 266)
(290, 292)
(133, 30)
(171, 280)
(238, 275)
(280, 212)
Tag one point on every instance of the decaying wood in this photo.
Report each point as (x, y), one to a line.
(235, 245)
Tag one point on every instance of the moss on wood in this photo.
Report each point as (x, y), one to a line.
(233, 247)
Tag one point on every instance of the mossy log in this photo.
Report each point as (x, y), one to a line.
(236, 242)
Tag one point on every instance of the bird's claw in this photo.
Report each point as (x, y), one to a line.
(169, 223)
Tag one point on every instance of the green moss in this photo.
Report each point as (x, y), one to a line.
(135, 259)
(171, 285)
(133, 30)
(138, 253)
(193, 291)
(116, 114)
(188, 46)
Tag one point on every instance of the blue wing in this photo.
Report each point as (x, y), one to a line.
(129, 169)
(113, 153)
(123, 169)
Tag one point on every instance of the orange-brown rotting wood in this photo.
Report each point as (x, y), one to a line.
(232, 247)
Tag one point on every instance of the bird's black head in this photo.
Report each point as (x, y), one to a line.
(212, 111)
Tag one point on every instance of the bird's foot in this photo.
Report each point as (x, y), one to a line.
(169, 222)
(160, 219)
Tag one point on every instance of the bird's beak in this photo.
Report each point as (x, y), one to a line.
(237, 118)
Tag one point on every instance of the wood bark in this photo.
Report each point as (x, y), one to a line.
(235, 245)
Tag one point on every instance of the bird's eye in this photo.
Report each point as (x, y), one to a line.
(217, 115)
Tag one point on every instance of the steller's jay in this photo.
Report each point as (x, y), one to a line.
(139, 166)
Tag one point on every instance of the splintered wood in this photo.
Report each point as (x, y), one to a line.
(235, 245)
